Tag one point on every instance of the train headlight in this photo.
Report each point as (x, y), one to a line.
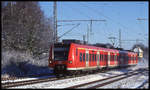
(70, 62)
(50, 61)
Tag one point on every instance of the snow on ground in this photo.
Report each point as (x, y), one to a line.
(73, 81)
(131, 82)
(25, 79)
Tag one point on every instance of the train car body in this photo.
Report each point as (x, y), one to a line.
(79, 57)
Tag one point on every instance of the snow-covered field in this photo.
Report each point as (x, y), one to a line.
(131, 82)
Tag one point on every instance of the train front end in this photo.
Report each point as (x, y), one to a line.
(58, 57)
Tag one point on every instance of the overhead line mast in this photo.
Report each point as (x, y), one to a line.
(55, 21)
(91, 22)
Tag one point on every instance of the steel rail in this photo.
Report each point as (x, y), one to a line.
(76, 86)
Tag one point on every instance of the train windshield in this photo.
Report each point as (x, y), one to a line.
(61, 53)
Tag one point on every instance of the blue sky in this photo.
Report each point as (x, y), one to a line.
(118, 15)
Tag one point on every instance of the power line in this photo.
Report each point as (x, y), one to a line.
(81, 13)
(68, 31)
(78, 20)
(91, 22)
(96, 11)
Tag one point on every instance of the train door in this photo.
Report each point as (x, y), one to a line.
(108, 58)
(131, 59)
(87, 59)
(101, 59)
(98, 59)
(115, 58)
(121, 58)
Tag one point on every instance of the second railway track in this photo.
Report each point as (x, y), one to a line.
(109, 80)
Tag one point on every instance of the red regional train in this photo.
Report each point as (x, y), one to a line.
(72, 57)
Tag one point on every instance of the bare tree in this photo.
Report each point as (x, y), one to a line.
(24, 27)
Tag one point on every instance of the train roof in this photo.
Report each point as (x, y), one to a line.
(68, 42)
(94, 47)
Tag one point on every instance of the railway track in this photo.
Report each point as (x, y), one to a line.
(109, 80)
(29, 82)
(25, 76)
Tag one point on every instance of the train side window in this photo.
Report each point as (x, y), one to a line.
(95, 57)
(113, 57)
(100, 57)
(89, 57)
(76, 52)
(110, 57)
(81, 57)
(116, 57)
(104, 57)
